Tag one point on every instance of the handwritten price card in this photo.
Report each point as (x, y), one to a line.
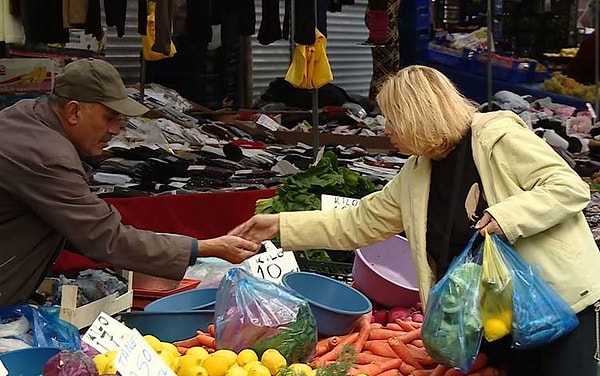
(137, 358)
(329, 202)
(106, 334)
(273, 263)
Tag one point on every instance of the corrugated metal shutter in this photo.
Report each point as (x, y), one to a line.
(124, 52)
(351, 64)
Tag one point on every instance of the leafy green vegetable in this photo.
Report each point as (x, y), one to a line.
(296, 341)
(342, 364)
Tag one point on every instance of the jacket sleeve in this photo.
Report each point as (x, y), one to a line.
(377, 217)
(551, 190)
(59, 195)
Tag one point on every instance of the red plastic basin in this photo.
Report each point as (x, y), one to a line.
(385, 273)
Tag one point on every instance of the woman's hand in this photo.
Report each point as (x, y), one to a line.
(228, 247)
(489, 224)
(259, 228)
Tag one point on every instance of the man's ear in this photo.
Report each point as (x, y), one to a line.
(72, 112)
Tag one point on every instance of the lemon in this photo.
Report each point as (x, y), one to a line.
(236, 370)
(259, 370)
(301, 369)
(101, 361)
(192, 371)
(153, 342)
(246, 356)
(230, 355)
(495, 328)
(168, 358)
(110, 369)
(273, 360)
(169, 347)
(198, 352)
(188, 360)
(216, 365)
(251, 364)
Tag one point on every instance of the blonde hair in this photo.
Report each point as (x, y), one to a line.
(425, 110)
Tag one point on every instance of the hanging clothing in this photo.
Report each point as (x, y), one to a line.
(74, 13)
(11, 29)
(142, 16)
(270, 27)
(386, 58)
(93, 22)
(310, 68)
(163, 23)
(149, 41)
(115, 13)
(42, 21)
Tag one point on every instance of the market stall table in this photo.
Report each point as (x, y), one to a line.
(201, 215)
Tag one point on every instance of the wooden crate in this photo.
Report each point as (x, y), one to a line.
(84, 315)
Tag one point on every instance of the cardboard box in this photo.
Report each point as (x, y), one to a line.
(79, 40)
(22, 75)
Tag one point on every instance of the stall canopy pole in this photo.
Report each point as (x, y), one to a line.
(490, 48)
(315, 108)
(142, 76)
(596, 61)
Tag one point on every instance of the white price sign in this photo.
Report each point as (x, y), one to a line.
(106, 334)
(329, 202)
(137, 358)
(3, 370)
(273, 263)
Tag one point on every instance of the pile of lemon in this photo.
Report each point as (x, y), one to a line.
(197, 361)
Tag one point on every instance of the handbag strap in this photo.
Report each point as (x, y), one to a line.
(443, 262)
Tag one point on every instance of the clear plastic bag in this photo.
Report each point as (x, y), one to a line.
(540, 316)
(47, 329)
(452, 329)
(496, 293)
(258, 314)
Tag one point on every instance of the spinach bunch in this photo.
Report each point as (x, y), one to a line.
(303, 190)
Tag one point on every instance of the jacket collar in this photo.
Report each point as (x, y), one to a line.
(45, 114)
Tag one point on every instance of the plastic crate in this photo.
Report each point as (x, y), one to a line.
(504, 68)
(447, 56)
(340, 271)
(142, 297)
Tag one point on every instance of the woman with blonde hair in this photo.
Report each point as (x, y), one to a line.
(468, 170)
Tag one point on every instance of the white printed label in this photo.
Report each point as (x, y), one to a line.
(3, 370)
(267, 122)
(137, 358)
(106, 334)
(329, 202)
(272, 264)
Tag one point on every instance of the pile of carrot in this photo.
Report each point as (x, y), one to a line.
(203, 339)
(395, 349)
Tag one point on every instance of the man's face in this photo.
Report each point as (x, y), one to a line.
(96, 125)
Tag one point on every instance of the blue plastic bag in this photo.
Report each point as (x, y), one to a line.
(452, 329)
(47, 329)
(540, 316)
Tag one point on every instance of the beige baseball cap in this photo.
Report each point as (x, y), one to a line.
(96, 81)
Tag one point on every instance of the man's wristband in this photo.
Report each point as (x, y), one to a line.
(194, 252)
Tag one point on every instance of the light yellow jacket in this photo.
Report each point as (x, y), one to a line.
(535, 197)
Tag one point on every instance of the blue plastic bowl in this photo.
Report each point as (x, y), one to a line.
(27, 362)
(185, 301)
(335, 305)
(169, 326)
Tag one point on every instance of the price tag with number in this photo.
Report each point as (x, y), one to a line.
(273, 263)
(106, 334)
(329, 202)
(137, 358)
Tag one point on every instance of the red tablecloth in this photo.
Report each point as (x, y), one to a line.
(201, 215)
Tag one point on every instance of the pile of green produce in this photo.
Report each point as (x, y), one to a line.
(303, 191)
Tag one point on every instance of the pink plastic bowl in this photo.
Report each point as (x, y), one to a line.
(384, 272)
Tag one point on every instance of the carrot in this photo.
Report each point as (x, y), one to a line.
(364, 358)
(321, 349)
(182, 349)
(480, 361)
(363, 331)
(421, 356)
(382, 333)
(407, 326)
(439, 370)
(390, 372)
(373, 369)
(453, 372)
(376, 325)
(406, 369)
(421, 372)
(380, 348)
(403, 352)
(416, 325)
(206, 340)
(418, 343)
(485, 371)
(335, 352)
(394, 326)
(411, 336)
(210, 330)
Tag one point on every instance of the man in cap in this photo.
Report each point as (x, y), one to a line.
(45, 199)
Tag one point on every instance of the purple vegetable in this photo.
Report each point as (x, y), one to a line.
(417, 317)
(401, 313)
(419, 306)
(380, 316)
(70, 363)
